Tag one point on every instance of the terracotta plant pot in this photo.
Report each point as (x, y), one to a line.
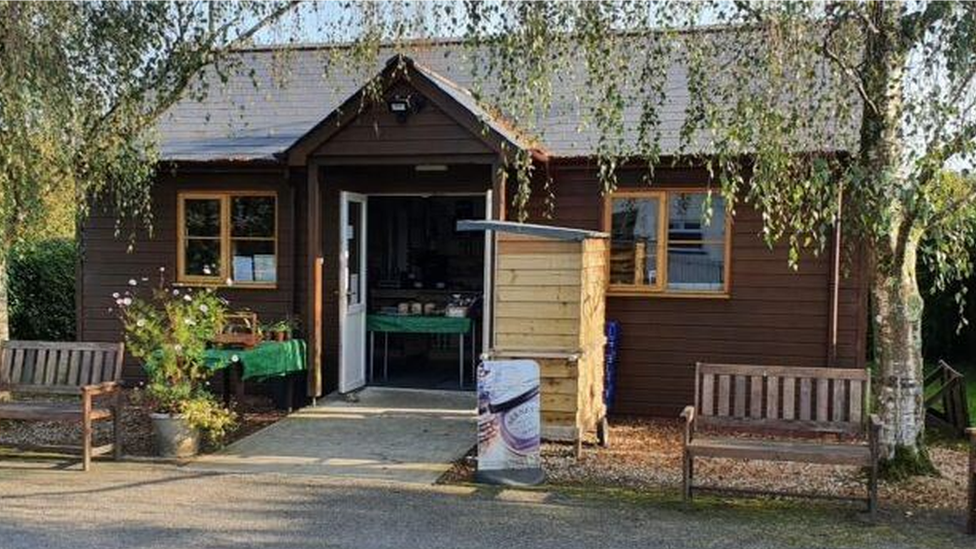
(174, 437)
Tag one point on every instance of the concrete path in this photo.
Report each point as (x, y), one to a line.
(142, 506)
(402, 435)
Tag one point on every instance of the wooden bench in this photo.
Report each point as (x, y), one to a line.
(783, 404)
(89, 370)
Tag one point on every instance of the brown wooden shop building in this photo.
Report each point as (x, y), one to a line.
(297, 202)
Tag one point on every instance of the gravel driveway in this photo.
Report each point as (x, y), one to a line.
(134, 505)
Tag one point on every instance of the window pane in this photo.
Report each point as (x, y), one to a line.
(696, 266)
(253, 260)
(252, 216)
(688, 212)
(202, 257)
(633, 241)
(202, 216)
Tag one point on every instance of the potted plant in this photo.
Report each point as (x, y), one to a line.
(281, 330)
(169, 332)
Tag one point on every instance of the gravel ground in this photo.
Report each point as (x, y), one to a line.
(646, 455)
(138, 505)
(256, 412)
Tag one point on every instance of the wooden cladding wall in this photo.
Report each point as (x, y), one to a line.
(108, 264)
(773, 316)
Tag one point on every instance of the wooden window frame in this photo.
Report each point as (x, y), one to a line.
(226, 240)
(660, 289)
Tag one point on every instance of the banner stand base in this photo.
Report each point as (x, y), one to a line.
(511, 477)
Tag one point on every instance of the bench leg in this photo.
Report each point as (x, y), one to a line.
(873, 489)
(687, 471)
(86, 432)
(117, 427)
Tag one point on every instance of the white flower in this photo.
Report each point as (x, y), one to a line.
(176, 291)
(145, 279)
(189, 322)
(204, 308)
(187, 297)
(162, 269)
(132, 282)
(141, 322)
(230, 282)
(234, 358)
(127, 301)
(177, 347)
(206, 269)
(115, 295)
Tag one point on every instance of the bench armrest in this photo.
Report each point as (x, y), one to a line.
(688, 414)
(101, 388)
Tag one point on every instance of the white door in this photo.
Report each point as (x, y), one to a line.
(352, 292)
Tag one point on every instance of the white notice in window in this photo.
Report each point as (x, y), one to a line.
(264, 268)
(243, 268)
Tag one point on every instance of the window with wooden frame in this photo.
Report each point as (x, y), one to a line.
(227, 237)
(668, 242)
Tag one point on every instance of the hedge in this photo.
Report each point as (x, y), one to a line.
(41, 290)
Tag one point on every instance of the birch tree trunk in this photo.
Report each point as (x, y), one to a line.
(897, 302)
(898, 307)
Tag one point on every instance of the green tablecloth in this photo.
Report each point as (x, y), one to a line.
(267, 360)
(418, 324)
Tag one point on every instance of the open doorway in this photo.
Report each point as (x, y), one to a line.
(425, 288)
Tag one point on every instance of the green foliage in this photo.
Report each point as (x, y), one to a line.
(41, 290)
(169, 332)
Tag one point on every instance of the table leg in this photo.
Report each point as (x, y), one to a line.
(474, 348)
(290, 392)
(226, 391)
(372, 354)
(239, 383)
(461, 361)
(386, 355)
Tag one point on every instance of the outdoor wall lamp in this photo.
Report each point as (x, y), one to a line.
(403, 106)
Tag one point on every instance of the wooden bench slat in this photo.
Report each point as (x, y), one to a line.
(47, 411)
(740, 396)
(6, 365)
(837, 410)
(776, 450)
(708, 396)
(855, 402)
(723, 395)
(823, 397)
(794, 371)
(61, 378)
(51, 366)
(806, 393)
(756, 397)
(789, 404)
(18, 370)
(772, 397)
(73, 365)
(84, 376)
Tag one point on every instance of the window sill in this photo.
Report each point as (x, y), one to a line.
(224, 286)
(623, 292)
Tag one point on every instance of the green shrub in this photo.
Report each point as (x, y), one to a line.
(41, 290)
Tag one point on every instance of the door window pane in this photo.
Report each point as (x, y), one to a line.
(633, 241)
(353, 242)
(252, 216)
(202, 216)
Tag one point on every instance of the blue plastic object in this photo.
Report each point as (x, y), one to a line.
(610, 363)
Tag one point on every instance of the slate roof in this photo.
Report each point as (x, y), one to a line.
(282, 93)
